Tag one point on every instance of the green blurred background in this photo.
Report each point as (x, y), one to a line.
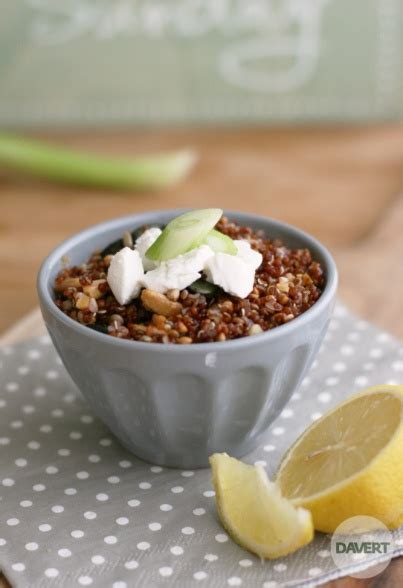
(152, 62)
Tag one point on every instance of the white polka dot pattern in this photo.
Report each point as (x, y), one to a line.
(78, 505)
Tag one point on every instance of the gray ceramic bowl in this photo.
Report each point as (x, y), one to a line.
(174, 405)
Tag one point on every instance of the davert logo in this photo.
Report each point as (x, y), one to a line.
(362, 540)
(364, 547)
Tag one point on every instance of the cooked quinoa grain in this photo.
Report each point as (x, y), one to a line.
(287, 283)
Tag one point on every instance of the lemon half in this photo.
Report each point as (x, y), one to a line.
(253, 511)
(350, 462)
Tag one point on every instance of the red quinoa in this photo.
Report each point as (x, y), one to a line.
(287, 283)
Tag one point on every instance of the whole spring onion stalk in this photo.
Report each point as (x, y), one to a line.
(74, 167)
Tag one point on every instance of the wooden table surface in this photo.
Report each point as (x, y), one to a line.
(342, 185)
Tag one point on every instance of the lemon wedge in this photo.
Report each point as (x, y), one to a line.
(350, 462)
(253, 511)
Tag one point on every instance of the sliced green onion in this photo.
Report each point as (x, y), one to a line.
(220, 243)
(183, 233)
(74, 167)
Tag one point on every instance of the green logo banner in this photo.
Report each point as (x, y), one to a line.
(97, 62)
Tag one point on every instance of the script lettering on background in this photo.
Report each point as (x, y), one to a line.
(268, 45)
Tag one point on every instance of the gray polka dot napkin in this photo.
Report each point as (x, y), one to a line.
(78, 510)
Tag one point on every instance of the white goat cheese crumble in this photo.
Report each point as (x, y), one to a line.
(247, 254)
(231, 273)
(130, 270)
(178, 272)
(125, 275)
(143, 243)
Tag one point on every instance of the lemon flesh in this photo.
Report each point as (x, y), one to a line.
(350, 462)
(253, 511)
